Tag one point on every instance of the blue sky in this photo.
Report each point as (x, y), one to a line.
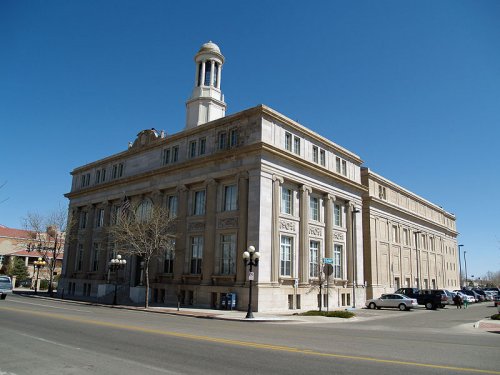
(411, 87)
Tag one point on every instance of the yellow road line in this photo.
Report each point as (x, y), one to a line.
(246, 343)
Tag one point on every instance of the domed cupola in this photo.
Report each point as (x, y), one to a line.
(206, 102)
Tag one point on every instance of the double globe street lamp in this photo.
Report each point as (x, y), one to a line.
(39, 263)
(115, 265)
(251, 259)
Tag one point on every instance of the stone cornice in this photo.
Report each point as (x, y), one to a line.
(371, 200)
(193, 163)
(227, 120)
(366, 172)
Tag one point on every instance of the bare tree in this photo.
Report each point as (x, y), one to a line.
(145, 231)
(320, 283)
(47, 237)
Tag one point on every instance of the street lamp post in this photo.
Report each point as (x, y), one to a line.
(115, 265)
(465, 263)
(39, 263)
(460, 266)
(251, 259)
(416, 233)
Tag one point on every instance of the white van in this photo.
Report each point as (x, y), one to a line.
(5, 286)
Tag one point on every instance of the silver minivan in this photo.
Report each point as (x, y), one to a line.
(5, 286)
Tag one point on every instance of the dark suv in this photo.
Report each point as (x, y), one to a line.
(430, 299)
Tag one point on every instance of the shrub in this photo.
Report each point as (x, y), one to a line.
(495, 317)
(44, 284)
(331, 314)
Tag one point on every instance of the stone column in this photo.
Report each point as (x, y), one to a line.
(219, 77)
(212, 72)
(87, 245)
(304, 192)
(275, 258)
(329, 199)
(242, 227)
(202, 81)
(209, 250)
(349, 244)
(181, 250)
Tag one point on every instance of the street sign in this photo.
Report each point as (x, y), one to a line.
(328, 260)
(328, 269)
(250, 276)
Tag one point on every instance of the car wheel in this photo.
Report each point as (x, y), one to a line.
(429, 306)
(372, 306)
(402, 307)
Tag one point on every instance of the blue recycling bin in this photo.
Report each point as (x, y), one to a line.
(231, 301)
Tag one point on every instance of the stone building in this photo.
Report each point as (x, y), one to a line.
(408, 241)
(255, 178)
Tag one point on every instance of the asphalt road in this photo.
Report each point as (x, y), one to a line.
(55, 337)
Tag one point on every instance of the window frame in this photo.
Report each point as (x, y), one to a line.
(286, 256)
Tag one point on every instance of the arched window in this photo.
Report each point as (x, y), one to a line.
(143, 210)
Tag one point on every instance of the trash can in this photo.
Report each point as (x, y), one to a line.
(223, 301)
(231, 301)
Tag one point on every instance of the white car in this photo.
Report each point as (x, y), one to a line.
(399, 301)
(5, 286)
(465, 297)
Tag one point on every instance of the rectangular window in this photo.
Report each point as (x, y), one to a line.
(228, 254)
(192, 149)
(85, 180)
(172, 206)
(288, 141)
(97, 177)
(313, 259)
(296, 145)
(196, 254)
(202, 146)
(286, 201)
(381, 192)
(337, 261)
(79, 258)
(337, 214)
(115, 211)
(100, 218)
(315, 154)
(175, 154)
(395, 234)
(83, 220)
(314, 208)
(406, 237)
(222, 141)
(344, 167)
(95, 258)
(233, 138)
(168, 262)
(337, 164)
(286, 256)
(230, 194)
(117, 170)
(322, 157)
(166, 156)
(199, 203)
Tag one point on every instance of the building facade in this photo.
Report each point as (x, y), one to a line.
(408, 241)
(252, 178)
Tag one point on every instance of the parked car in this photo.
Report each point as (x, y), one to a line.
(490, 295)
(465, 297)
(5, 286)
(399, 301)
(430, 300)
(446, 296)
(471, 293)
(482, 295)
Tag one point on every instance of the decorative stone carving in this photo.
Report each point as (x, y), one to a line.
(315, 231)
(230, 222)
(338, 236)
(287, 225)
(196, 226)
